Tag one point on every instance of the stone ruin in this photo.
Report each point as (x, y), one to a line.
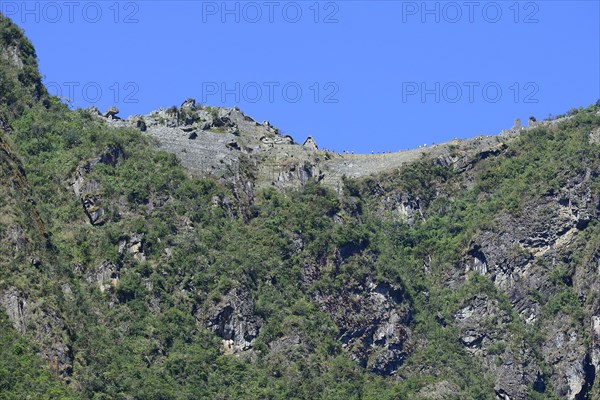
(310, 143)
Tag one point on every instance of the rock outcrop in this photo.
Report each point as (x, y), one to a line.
(224, 142)
(88, 190)
(233, 319)
(105, 276)
(373, 319)
(42, 325)
(483, 331)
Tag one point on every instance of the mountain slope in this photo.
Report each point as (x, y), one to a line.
(464, 271)
(219, 142)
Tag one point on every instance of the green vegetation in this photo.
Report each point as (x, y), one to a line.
(20, 81)
(22, 373)
(127, 345)
(137, 333)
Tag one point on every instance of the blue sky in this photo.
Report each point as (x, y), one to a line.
(357, 75)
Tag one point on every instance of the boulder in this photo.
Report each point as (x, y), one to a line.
(94, 111)
(188, 104)
(111, 112)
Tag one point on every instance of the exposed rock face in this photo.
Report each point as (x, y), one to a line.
(406, 206)
(516, 255)
(105, 276)
(545, 229)
(580, 377)
(12, 55)
(373, 320)
(17, 309)
(43, 326)
(484, 333)
(594, 137)
(595, 357)
(202, 138)
(566, 351)
(92, 208)
(134, 246)
(233, 319)
(476, 261)
(88, 190)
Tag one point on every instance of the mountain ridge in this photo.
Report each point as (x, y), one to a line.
(210, 141)
(469, 272)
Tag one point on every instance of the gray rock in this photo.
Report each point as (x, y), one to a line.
(373, 321)
(43, 326)
(310, 143)
(16, 308)
(94, 111)
(93, 210)
(188, 104)
(111, 112)
(233, 319)
(105, 276)
(482, 324)
(594, 136)
(135, 246)
(88, 190)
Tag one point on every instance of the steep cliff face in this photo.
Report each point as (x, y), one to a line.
(531, 214)
(539, 255)
(195, 253)
(374, 322)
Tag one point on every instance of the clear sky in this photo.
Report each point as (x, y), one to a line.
(357, 75)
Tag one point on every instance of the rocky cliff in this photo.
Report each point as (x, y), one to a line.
(220, 142)
(196, 253)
